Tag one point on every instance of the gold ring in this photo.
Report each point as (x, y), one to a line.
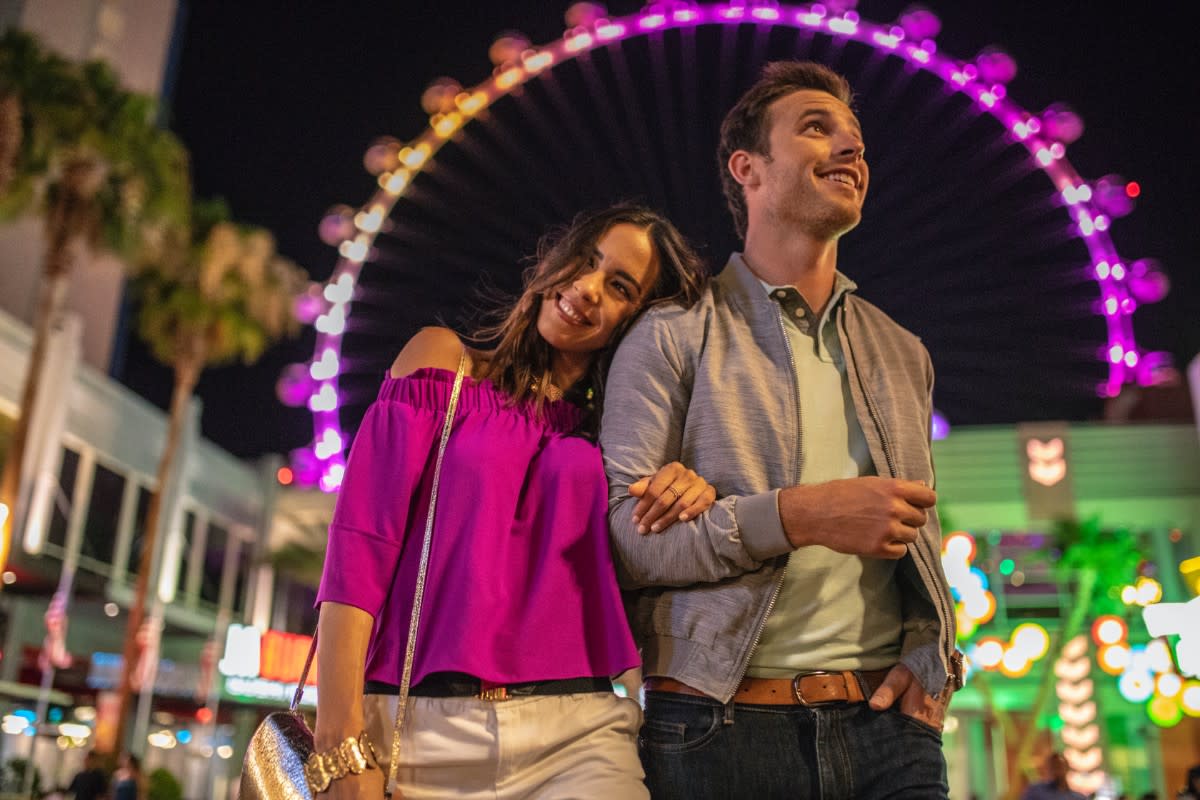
(675, 492)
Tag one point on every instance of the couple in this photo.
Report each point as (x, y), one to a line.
(795, 628)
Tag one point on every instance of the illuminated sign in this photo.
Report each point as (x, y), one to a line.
(1182, 620)
(1046, 463)
(259, 689)
(1045, 450)
(272, 656)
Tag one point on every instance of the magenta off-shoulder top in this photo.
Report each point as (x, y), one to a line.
(520, 584)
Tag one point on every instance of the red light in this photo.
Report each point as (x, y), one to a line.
(285, 476)
(1133, 189)
(204, 715)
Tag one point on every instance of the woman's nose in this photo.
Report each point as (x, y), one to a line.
(588, 285)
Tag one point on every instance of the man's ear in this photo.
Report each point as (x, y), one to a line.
(742, 167)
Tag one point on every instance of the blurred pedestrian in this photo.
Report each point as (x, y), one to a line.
(91, 783)
(127, 780)
(1054, 784)
(1191, 789)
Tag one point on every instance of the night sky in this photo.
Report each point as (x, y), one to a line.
(960, 242)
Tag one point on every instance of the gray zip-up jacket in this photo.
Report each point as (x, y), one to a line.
(714, 387)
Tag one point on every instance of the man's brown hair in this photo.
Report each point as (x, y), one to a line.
(747, 126)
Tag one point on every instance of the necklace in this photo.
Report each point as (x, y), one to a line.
(553, 393)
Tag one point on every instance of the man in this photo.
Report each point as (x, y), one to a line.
(1054, 787)
(798, 637)
(91, 783)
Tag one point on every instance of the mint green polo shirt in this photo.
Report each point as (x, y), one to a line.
(835, 611)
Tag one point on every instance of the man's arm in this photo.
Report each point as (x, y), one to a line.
(645, 407)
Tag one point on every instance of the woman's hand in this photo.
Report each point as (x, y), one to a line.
(673, 493)
(368, 785)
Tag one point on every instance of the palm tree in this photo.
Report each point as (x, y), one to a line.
(1094, 560)
(85, 155)
(224, 296)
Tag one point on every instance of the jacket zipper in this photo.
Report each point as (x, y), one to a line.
(947, 642)
(762, 623)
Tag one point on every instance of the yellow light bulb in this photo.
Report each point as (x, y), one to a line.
(509, 78)
(445, 125)
(395, 182)
(471, 103)
(1189, 698)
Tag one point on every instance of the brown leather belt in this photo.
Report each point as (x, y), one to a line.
(805, 689)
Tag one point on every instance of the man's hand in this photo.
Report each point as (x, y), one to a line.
(914, 702)
(871, 516)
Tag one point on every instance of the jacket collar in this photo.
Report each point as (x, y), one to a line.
(746, 289)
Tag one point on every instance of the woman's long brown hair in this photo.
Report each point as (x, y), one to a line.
(520, 362)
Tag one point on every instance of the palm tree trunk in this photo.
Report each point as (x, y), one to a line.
(1085, 587)
(187, 373)
(56, 272)
(10, 137)
(1000, 715)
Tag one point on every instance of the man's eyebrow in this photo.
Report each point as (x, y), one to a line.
(825, 113)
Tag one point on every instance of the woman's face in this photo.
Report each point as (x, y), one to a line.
(580, 315)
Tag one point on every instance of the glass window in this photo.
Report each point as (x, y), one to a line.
(241, 576)
(300, 613)
(185, 549)
(61, 502)
(214, 564)
(104, 510)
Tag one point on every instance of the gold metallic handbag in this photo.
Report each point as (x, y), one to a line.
(281, 746)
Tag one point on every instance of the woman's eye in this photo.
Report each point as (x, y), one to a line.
(624, 290)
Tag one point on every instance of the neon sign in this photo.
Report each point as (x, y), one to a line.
(267, 655)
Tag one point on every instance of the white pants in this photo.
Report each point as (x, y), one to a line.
(559, 747)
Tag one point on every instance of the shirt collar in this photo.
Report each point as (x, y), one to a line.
(797, 309)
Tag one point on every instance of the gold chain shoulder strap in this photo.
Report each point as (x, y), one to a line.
(423, 567)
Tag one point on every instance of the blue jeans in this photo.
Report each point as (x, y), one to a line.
(694, 747)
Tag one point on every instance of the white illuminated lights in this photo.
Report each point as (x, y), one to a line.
(1077, 710)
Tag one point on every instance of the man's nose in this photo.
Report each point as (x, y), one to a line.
(852, 149)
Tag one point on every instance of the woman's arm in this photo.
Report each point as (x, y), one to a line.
(343, 633)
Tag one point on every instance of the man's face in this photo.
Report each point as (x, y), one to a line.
(815, 176)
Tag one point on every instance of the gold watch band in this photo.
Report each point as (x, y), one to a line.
(353, 756)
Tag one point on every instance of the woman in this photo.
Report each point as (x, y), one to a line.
(522, 624)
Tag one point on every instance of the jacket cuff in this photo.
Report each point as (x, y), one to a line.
(759, 526)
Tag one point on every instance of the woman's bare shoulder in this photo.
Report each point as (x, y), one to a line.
(430, 347)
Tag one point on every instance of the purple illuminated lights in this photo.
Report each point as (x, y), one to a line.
(911, 38)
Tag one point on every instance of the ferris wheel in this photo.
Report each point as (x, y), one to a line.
(977, 219)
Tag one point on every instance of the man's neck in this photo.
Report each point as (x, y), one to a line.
(793, 259)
